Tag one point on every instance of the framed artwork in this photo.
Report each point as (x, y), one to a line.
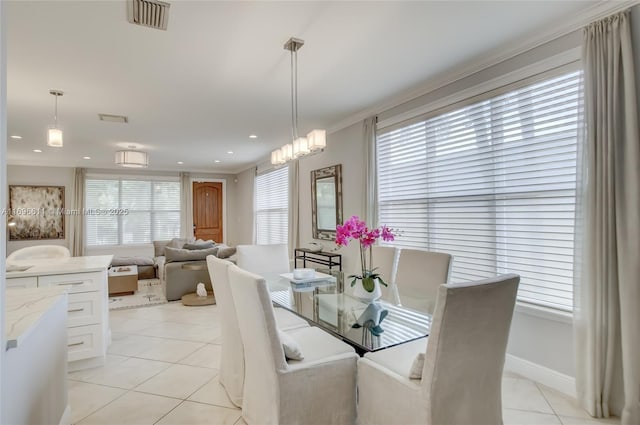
(38, 212)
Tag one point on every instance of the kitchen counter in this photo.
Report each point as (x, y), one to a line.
(25, 309)
(59, 265)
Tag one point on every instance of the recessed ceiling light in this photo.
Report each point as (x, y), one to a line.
(180, 162)
(37, 150)
(216, 161)
(253, 136)
(229, 152)
(16, 137)
(86, 157)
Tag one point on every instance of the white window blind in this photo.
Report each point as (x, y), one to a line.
(272, 207)
(493, 183)
(123, 211)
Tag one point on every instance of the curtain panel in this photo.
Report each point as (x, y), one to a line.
(77, 220)
(607, 286)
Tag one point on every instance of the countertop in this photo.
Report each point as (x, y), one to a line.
(60, 265)
(25, 308)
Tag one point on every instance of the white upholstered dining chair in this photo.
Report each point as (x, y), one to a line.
(263, 259)
(39, 252)
(317, 389)
(232, 355)
(420, 273)
(460, 381)
(384, 258)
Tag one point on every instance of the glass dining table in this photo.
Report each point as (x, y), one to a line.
(367, 326)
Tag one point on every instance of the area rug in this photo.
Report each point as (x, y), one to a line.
(150, 292)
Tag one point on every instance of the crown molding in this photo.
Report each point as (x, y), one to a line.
(520, 45)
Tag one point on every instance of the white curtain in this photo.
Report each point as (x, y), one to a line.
(370, 206)
(77, 220)
(294, 206)
(186, 206)
(607, 286)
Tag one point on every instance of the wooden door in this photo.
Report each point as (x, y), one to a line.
(207, 211)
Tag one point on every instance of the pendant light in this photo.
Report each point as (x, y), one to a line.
(132, 158)
(300, 146)
(54, 135)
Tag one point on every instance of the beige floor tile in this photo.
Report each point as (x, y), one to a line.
(190, 413)
(178, 381)
(213, 393)
(85, 398)
(241, 421)
(183, 331)
(169, 350)
(125, 344)
(523, 417)
(129, 325)
(207, 356)
(523, 394)
(121, 372)
(133, 408)
(570, 420)
(562, 404)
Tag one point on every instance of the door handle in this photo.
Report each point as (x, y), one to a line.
(75, 344)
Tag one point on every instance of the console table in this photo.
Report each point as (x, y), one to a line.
(329, 259)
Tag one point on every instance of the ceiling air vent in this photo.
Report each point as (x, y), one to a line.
(113, 118)
(149, 13)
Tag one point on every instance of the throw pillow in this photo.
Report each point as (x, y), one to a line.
(199, 245)
(292, 350)
(416, 367)
(179, 243)
(131, 261)
(225, 251)
(177, 254)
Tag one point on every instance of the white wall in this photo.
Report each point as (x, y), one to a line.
(43, 176)
(3, 196)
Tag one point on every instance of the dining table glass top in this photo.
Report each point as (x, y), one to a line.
(368, 326)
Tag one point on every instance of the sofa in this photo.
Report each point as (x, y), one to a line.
(179, 272)
(182, 264)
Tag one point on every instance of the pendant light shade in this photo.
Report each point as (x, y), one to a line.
(301, 146)
(54, 135)
(132, 159)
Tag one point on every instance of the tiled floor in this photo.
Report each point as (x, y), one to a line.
(162, 368)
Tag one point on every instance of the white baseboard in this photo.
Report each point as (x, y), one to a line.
(66, 416)
(543, 375)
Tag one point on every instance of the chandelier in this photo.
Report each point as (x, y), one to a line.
(300, 146)
(54, 134)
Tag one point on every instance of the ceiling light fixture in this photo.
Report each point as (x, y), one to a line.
(54, 135)
(180, 162)
(230, 152)
(253, 136)
(300, 146)
(131, 158)
(16, 137)
(37, 151)
(86, 157)
(217, 161)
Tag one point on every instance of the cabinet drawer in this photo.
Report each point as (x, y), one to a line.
(76, 282)
(84, 342)
(22, 282)
(84, 308)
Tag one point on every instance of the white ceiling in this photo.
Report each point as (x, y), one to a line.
(219, 73)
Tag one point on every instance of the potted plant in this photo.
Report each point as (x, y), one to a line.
(368, 288)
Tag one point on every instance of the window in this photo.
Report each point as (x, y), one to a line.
(121, 211)
(272, 206)
(494, 184)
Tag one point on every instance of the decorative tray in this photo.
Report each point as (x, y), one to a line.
(319, 277)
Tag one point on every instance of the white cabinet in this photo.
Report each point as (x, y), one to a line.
(87, 310)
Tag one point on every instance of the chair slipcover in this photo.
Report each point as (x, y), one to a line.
(263, 259)
(384, 259)
(420, 274)
(232, 355)
(462, 375)
(39, 252)
(320, 389)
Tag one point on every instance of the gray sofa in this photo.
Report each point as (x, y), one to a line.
(182, 276)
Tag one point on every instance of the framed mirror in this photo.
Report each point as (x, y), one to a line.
(326, 201)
